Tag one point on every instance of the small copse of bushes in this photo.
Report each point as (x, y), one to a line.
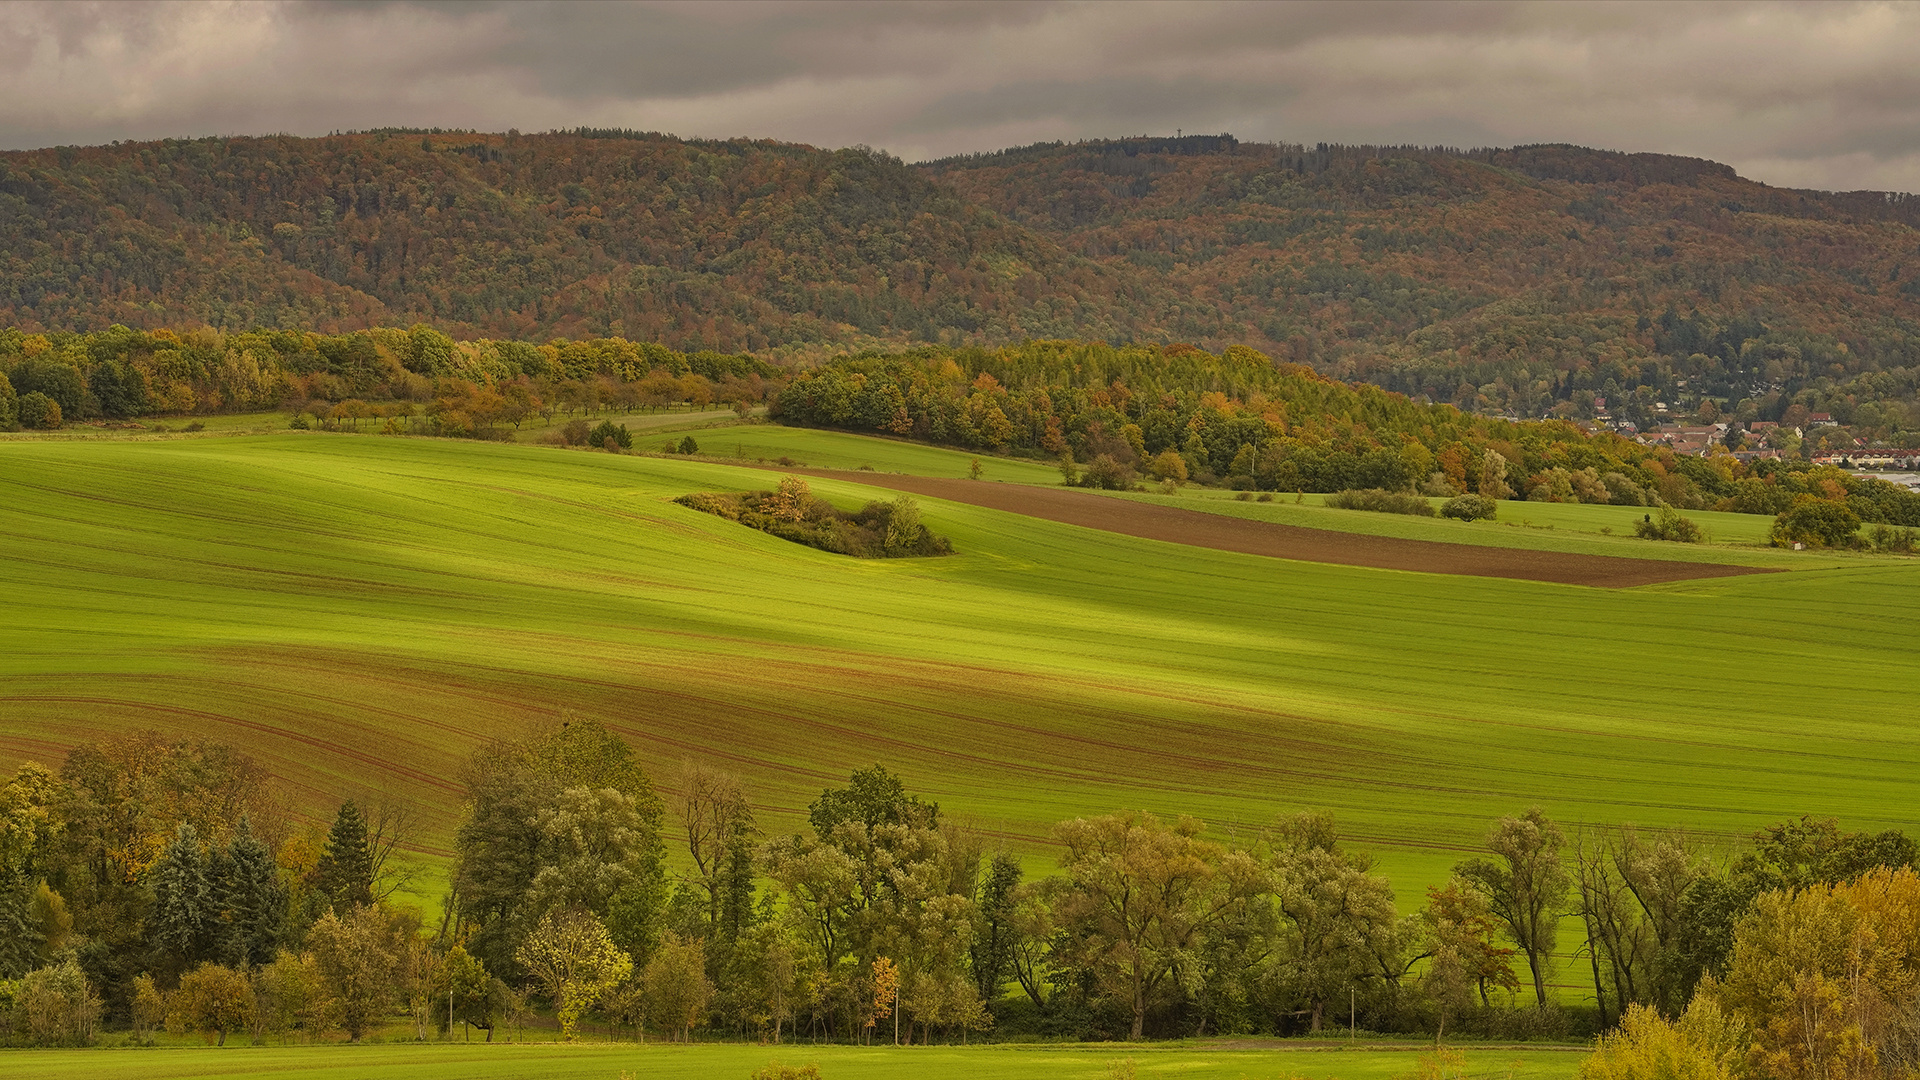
(878, 530)
(1471, 508)
(1381, 501)
(1669, 524)
(609, 432)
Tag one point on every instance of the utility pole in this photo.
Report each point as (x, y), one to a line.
(1352, 1012)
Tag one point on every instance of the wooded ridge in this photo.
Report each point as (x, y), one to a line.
(1515, 280)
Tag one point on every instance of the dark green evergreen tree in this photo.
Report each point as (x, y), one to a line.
(345, 872)
(254, 901)
(20, 938)
(185, 911)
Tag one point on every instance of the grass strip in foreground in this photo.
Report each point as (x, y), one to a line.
(547, 1061)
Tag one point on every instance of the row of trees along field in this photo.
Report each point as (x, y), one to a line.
(451, 387)
(1114, 413)
(155, 883)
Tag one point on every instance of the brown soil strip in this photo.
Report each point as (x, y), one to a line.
(1174, 525)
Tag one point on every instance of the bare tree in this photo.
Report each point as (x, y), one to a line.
(713, 815)
(392, 827)
(1618, 937)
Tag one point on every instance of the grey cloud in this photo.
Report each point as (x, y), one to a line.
(1803, 94)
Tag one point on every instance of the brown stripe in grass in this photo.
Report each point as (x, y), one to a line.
(1150, 521)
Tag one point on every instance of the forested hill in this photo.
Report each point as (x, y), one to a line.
(1500, 279)
(1518, 280)
(718, 245)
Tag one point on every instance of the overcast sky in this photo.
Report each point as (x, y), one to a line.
(1817, 95)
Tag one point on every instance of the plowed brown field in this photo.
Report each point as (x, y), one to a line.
(1174, 525)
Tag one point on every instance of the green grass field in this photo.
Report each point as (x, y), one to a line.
(1739, 539)
(361, 612)
(441, 1061)
(838, 450)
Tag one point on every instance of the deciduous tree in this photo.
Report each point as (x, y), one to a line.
(573, 957)
(213, 1000)
(355, 959)
(677, 988)
(1526, 886)
(1135, 896)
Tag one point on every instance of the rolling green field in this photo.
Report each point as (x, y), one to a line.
(1739, 539)
(361, 612)
(441, 1061)
(839, 450)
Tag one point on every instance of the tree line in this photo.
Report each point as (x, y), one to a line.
(154, 883)
(463, 387)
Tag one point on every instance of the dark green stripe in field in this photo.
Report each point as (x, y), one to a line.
(359, 612)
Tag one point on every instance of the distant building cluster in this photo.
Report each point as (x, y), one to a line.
(1756, 441)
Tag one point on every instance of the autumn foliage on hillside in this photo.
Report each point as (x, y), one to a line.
(1515, 280)
(1525, 281)
(1241, 420)
(742, 245)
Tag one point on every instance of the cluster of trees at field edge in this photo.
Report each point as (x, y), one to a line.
(153, 883)
(417, 380)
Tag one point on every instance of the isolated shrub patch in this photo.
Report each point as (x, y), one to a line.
(776, 1071)
(1668, 524)
(1106, 473)
(1381, 501)
(607, 430)
(878, 530)
(1470, 508)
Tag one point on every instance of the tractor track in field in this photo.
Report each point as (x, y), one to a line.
(1150, 521)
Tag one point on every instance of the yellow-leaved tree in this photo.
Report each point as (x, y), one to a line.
(573, 956)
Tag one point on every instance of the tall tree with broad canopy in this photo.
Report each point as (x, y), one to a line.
(1335, 917)
(1137, 894)
(563, 817)
(355, 958)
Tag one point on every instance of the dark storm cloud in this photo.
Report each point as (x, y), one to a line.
(1821, 95)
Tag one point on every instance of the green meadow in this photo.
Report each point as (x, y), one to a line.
(587, 1061)
(1739, 539)
(362, 612)
(763, 442)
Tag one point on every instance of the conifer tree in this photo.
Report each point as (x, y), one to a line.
(345, 872)
(184, 910)
(19, 937)
(254, 900)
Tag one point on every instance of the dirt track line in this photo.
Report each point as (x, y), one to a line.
(1150, 521)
